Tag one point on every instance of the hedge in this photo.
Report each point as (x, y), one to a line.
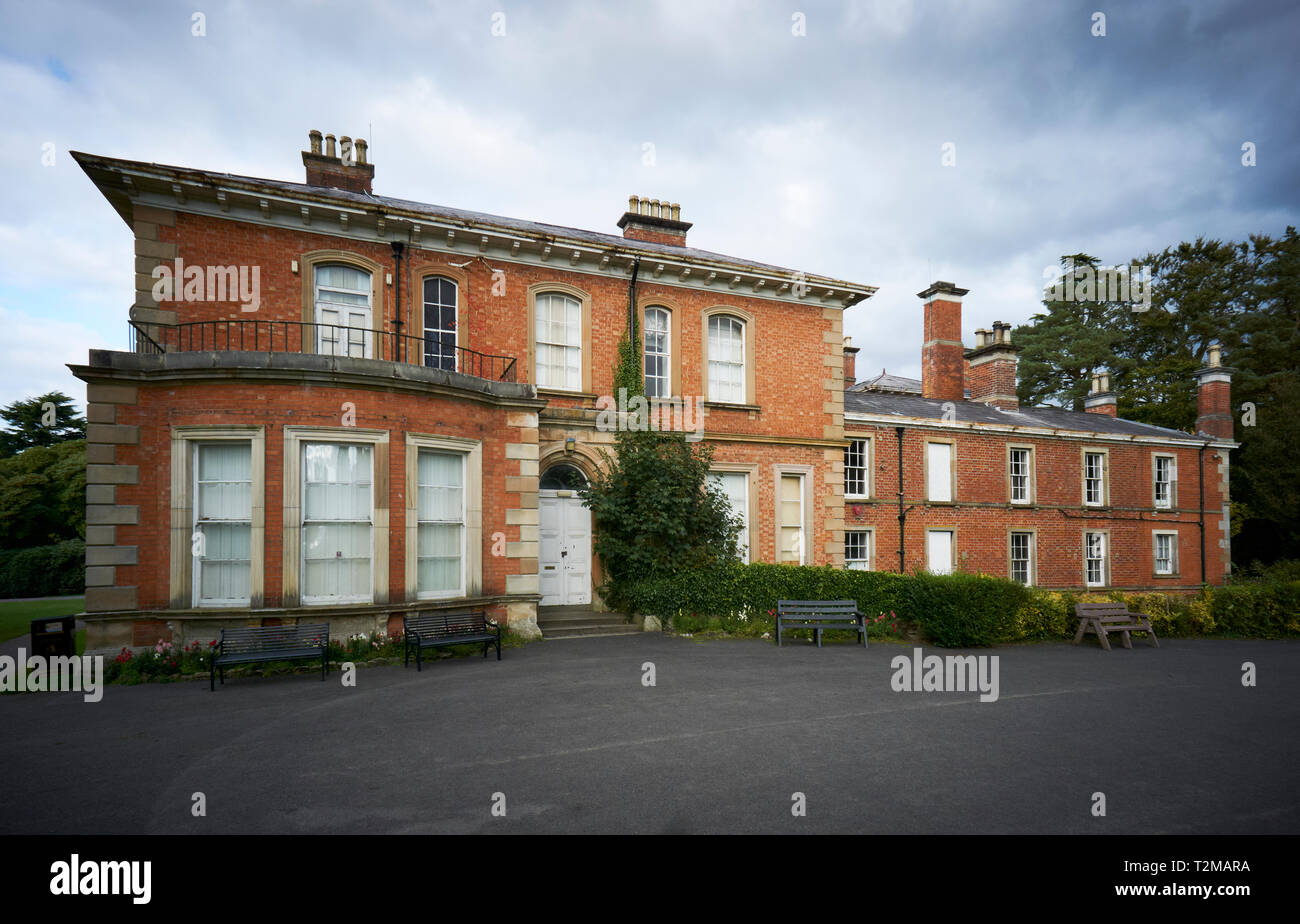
(44, 571)
(957, 610)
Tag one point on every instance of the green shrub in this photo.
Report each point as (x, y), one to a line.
(957, 610)
(964, 610)
(44, 571)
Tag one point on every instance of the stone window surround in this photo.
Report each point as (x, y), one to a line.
(1173, 480)
(1032, 482)
(746, 319)
(1174, 567)
(291, 523)
(869, 474)
(472, 566)
(750, 471)
(675, 314)
(1104, 452)
(1033, 553)
(870, 532)
(807, 472)
(181, 577)
(584, 300)
(952, 470)
(307, 264)
(1105, 561)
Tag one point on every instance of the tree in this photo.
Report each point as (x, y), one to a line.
(655, 509)
(42, 421)
(1244, 295)
(43, 495)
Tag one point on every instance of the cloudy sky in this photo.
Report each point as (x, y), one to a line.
(820, 151)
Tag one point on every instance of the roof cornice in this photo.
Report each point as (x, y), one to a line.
(317, 210)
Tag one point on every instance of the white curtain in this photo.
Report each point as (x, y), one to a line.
(336, 534)
(223, 515)
(441, 503)
(726, 360)
(559, 341)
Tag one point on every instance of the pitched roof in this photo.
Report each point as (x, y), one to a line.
(888, 382)
(973, 412)
(96, 166)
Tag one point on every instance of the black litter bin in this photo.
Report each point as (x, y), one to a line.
(54, 637)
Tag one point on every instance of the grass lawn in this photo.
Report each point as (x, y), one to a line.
(16, 617)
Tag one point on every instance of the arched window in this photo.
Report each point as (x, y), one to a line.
(559, 341)
(343, 310)
(440, 303)
(726, 359)
(658, 358)
(562, 477)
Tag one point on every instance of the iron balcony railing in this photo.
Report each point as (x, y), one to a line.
(264, 336)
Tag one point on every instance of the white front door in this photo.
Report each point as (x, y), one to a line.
(564, 549)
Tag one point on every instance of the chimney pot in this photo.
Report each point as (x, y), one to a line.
(1216, 355)
(361, 150)
(329, 146)
(677, 211)
(313, 138)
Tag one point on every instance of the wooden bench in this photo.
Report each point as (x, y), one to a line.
(250, 644)
(436, 628)
(1104, 618)
(818, 615)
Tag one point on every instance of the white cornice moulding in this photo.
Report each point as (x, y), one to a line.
(929, 423)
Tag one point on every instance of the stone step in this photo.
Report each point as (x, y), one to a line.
(577, 622)
(554, 635)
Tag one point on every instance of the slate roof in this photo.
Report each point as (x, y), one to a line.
(973, 412)
(888, 382)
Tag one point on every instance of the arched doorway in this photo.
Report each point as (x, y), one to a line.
(564, 538)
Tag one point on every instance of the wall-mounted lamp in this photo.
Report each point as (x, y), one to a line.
(570, 444)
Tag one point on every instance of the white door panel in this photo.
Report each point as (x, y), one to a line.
(564, 550)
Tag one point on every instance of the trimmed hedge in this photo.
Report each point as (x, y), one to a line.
(44, 571)
(953, 611)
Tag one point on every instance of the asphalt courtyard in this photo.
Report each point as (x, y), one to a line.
(573, 741)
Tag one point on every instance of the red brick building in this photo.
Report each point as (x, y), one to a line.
(1054, 498)
(336, 403)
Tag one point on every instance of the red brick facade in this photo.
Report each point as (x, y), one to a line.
(209, 364)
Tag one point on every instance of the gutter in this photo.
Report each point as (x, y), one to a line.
(902, 514)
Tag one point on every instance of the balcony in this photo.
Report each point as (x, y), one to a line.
(263, 336)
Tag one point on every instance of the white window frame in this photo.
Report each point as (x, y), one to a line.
(665, 389)
(367, 339)
(804, 473)
(1171, 495)
(868, 546)
(1027, 475)
(1031, 562)
(1104, 568)
(197, 570)
(736, 325)
(546, 298)
(857, 457)
(292, 488)
(459, 589)
(181, 593)
(1102, 477)
(303, 523)
(1172, 536)
(952, 549)
(948, 470)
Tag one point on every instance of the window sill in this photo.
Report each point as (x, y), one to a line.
(730, 406)
(565, 393)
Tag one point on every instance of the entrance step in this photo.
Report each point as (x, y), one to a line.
(581, 622)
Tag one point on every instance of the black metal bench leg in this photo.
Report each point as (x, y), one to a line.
(419, 659)
(498, 646)
(324, 658)
(212, 678)
(486, 646)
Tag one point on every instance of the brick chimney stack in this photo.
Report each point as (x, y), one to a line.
(942, 354)
(1214, 396)
(1101, 400)
(850, 362)
(655, 221)
(992, 365)
(346, 170)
